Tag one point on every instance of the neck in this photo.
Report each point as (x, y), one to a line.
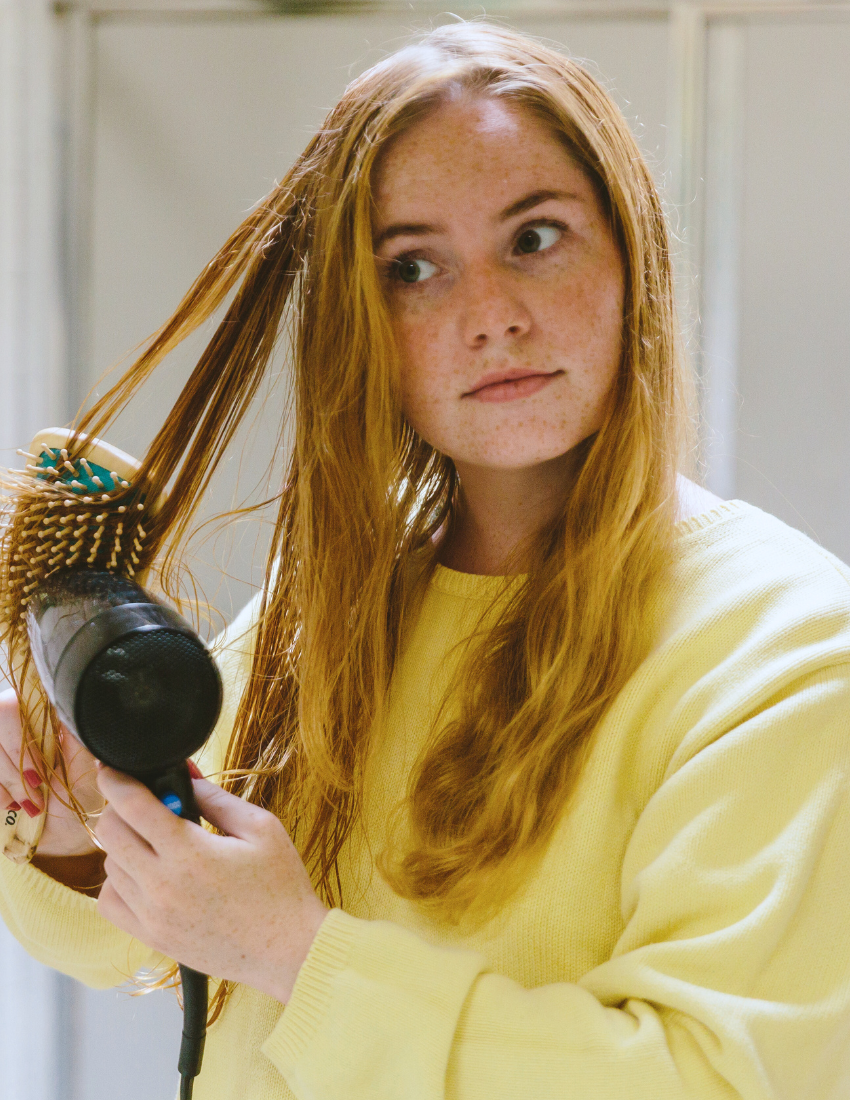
(499, 509)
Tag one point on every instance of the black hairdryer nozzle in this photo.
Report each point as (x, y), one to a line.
(126, 674)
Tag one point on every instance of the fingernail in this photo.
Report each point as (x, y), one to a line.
(30, 808)
(13, 806)
(33, 778)
(194, 770)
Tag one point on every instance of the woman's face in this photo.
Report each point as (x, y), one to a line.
(505, 285)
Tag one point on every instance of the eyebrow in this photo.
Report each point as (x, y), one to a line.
(421, 229)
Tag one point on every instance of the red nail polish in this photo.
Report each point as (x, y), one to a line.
(30, 808)
(13, 806)
(194, 770)
(33, 778)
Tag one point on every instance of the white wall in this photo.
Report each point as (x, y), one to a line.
(793, 444)
(32, 377)
(31, 393)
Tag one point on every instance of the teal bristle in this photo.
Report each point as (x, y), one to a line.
(83, 477)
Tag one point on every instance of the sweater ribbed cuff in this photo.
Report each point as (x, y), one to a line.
(311, 995)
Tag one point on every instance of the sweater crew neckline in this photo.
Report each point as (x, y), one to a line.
(485, 586)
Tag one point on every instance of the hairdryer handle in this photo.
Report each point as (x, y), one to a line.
(174, 789)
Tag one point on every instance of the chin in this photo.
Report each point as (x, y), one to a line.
(515, 458)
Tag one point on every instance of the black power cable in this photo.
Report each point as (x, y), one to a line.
(194, 1028)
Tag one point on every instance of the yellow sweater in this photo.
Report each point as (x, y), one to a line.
(687, 934)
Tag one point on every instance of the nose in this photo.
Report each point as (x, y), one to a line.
(493, 310)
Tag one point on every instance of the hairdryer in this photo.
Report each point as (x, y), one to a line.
(133, 682)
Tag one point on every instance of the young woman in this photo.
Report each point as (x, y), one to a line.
(536, 754)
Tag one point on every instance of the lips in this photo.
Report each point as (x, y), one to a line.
(497, 378)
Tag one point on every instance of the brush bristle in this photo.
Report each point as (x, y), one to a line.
(65, 514)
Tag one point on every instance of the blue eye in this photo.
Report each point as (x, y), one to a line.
(538, 238)
(414, 271)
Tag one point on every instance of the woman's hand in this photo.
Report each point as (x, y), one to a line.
(63, 833)
(239, 906)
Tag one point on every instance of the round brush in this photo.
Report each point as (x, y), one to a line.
(74, 506)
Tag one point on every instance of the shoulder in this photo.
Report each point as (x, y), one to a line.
(752, 603)
(753, 631)
(733, 558)
(733, 550)
(693, 499)
(236, 642)
(233, 651)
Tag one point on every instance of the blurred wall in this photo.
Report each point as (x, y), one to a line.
(173, 119)
(32, 390)
(793, 437)
(776, 274)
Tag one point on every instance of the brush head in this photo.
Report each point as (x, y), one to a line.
(75, 506)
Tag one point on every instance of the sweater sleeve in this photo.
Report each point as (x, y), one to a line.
(62, 928)
(731, 978)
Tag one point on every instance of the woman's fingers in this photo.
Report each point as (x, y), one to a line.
(32, 785)
(111, 905)
(122, 843)
(141, 810)
(124, 885)
(63, 832)
(29, 798)
(18, 776)
(81, 770)
(233, 815)
(7, 802)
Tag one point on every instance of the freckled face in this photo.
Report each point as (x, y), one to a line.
(504, 282)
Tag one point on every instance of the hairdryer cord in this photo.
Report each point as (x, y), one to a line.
(194, 1028)
(174, 788)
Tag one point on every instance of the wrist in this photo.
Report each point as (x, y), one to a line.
(312, 923)
(58, 847)
(64, 834)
